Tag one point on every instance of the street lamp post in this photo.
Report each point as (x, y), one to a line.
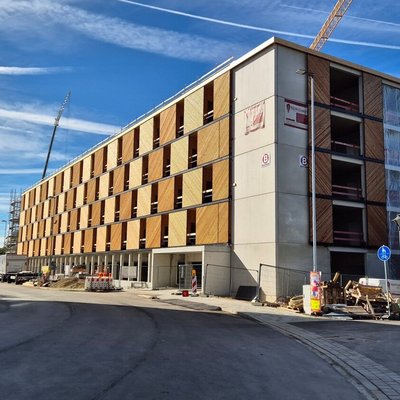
(313, 200)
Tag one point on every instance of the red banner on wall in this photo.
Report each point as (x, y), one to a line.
(255, 117)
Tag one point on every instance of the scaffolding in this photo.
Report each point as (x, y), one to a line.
(11, 234)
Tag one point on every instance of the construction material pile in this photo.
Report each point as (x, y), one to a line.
(68, 283)
(371, 298)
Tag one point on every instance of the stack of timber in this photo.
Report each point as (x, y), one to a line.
(331, 291)
(371, 298)
(296, 303)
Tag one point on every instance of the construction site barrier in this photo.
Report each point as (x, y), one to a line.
(99, 283)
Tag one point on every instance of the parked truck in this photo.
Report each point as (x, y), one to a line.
(10, 266)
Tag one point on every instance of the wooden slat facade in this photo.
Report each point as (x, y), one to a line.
(109, 210)
(320, 68)
(119, 179)
(324, 214)
(76, 174)
(222, 95)
(179, 155)
(373, 132)
(112, 154)
(207, 225)
(322, 128)
(144, 201)
(153, 232)
(146, 136)
(101, 235)
(177, 229)
(168, 125)
(96, 213)
(77, 242)
(86, 168)
(73, 220)
(91, 190)
(125, 211)
(127, 146)
(116, 237)
(323, 174)
(166, 199)
(104, 184)
(193, 110)
(84, 219)
(67, 243)
(156, 165)
(220, 178)
(132, 238)
(98, 162)
(89, 241)
(192, 193)
(377, 225)
(135, 173)
(208, 143)
(375, 176)
(373, 96)
(224, 137)
(80, 195)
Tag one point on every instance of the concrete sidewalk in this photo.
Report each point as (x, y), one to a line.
(375, 375)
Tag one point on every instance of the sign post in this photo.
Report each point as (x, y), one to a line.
(315, 293)
(384, 254)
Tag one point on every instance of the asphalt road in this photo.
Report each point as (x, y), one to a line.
(77, 345)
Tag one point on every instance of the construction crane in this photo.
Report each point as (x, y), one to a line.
(56, 123)
(330, 24)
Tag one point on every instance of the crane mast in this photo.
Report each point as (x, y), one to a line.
(330, 24)
(56, 123)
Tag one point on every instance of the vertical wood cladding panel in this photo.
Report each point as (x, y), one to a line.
(322, 128)
(119, 179)
(116, 237)
(192, 193)
(220, 178)
(64, 223)
(30, 249)
(20, 248)
(207, 224)
(125, 206)
(323, 174)
(109, 210)
(41, 228)
(73, 220)
(321, 71)
(135, 173)
(25, 201)
(43, 192)
(37, 195)
(373, 96)
(70, 199)
(166, 195)
(31, 197)
(36, 247)
(84, 219)
(33, 214)
(156, 165)
(96, 213)
(146, 136)
(58, 182)
(208, 143)
(35, 230)
(377, 225)
(112, 154)
(104, 184)
(76, 173)
(132, 235)
(127, 146)
(224, 137)
(376, 189)
(179, 155)
(374, 139)
(46, 209)
(58, 245)
(91, 191)
(80, 195)
(88, 245)
(153, 232)
(324, 221)
(144, 201)
(47, 228)
(101, 236)
(223, 223)
(67, 243)
(77, 242)
(67, 178)
(43, 247)
(51, 187)
(168, 124)
(22, 218)
(177, 229)
(98, 162)
(193, 110)
(39, 212)
(222, 95)
(61, 203)
(86, 168)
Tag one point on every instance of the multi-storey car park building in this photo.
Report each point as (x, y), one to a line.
(217, 179)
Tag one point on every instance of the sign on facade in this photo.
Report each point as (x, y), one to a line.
(266, 160)
(315, 294)
(303, 161)
(296, 114)
(255, 117)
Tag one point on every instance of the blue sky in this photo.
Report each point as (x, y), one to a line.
(120, 59)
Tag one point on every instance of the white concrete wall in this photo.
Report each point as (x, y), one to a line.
(253, 193)
(216, 270)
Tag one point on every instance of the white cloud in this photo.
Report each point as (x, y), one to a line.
(32, 70)
(74, 124)
(20, 171)
(45, 16)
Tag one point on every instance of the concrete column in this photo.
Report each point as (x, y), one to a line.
(92, 266)
(113, 272)
(129, 265)
(139, 267)
(98, 263)
(105, 263)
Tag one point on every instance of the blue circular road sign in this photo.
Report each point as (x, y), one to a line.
(384, 253)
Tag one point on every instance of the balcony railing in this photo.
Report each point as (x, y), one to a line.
(345, 148)
(208, 117)
(348, 238)
(348, 192)
(344, 104)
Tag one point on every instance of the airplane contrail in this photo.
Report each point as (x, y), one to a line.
(258, 28)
